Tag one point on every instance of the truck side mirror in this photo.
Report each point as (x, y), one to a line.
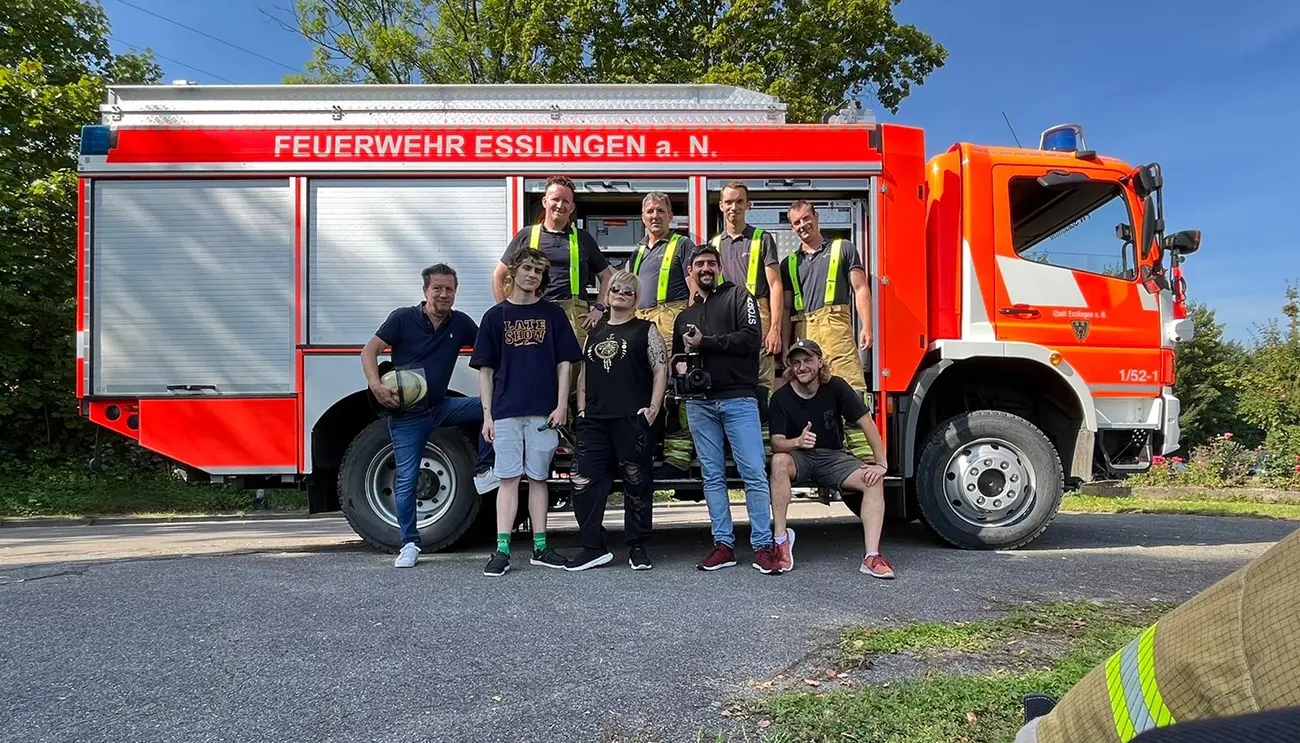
(1185, 242)
(1147, 180)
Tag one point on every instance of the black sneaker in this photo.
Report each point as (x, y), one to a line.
(589, 558)
(639, 559)
(499, 564)
(549, 558)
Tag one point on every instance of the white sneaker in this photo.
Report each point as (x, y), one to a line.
(486, 482)
(409, 555)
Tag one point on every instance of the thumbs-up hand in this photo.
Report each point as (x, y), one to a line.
(807, 439)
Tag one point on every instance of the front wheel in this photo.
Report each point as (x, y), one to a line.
(989, 480)
(446, 501)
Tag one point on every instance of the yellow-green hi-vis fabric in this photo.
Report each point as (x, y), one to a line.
(575, 279)
(832, 276)
(1232, 649)
(664, 268)
(755, 257)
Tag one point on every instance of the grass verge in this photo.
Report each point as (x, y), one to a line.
(966, 683)
(1203, 506)
(56, 492)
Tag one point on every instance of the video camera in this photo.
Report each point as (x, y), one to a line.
(694, 382)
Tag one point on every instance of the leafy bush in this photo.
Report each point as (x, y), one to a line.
(1223, 462)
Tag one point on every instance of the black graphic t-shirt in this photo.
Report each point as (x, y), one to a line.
(620, 379)
(523, 344)
(834, 403)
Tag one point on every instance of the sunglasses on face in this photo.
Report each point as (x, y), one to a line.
(627, 291)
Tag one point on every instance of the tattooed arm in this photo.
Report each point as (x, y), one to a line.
(659, 363)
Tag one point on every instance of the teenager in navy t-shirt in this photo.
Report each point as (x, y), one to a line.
(524, 352)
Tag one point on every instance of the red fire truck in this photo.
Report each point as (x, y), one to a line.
(239, 244)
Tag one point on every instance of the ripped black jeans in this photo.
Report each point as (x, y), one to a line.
(607, 446)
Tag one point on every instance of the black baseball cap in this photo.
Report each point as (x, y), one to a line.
(807, 346)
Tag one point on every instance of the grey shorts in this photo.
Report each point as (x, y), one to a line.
(827, 468)
(523, 450)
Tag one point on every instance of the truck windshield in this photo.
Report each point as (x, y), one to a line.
(1084, 226)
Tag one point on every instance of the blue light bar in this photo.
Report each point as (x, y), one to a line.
(96, 140)
(1063, 138)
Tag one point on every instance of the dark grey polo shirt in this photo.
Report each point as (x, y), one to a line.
(735, 258)
(556, 247)
(813, 270)
(648, 272)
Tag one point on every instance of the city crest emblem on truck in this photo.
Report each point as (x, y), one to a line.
(1081, 328)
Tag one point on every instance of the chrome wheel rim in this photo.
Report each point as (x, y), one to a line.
(435, 487)
(989, 482)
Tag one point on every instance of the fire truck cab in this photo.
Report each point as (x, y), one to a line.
(238, 245)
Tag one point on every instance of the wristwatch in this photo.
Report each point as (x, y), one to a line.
(599, 307)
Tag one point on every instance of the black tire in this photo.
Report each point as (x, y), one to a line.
(966, 517)
(447, 447)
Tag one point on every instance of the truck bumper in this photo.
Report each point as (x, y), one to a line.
(1169, 429)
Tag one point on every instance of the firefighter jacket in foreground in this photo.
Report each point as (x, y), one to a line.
(1232, 649)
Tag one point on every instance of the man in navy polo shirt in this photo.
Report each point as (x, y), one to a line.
(428, 335)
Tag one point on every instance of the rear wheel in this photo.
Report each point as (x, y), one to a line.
(989, 480)
(446, 501)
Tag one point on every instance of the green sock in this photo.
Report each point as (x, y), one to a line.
(503, 544)
(539, 541)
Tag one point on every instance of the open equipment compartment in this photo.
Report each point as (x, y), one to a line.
(610, 209)
(845, 209)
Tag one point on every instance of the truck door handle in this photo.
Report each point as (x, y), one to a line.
(1021, 311)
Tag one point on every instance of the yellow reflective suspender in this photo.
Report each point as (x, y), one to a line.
(664, 268)
(793, 263)
(716, 242)
(1135, 700)
(832, 274)
(755, 246)
(575, 275)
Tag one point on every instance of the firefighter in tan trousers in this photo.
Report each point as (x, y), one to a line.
(575, 259)
(824, 282)
(749, 257)
(1232, 649)
(661, 266)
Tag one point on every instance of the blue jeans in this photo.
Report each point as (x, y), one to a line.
(737, 418)
(409, 434)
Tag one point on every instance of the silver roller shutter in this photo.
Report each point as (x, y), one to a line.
(370, 239)
(192, 285)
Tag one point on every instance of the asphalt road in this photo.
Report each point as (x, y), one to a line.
(314, 640)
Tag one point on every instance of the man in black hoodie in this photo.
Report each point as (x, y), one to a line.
(722, 327)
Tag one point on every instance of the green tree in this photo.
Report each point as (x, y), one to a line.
(1204, 370)
(1269, 387)
(54, 63)
(813, 54)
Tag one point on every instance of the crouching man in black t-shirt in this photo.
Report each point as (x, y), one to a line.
(621, 386)
(807, 420)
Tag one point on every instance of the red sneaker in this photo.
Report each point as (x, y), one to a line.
(786, 551)
(767, 560)
(722, 556)
(877, 566)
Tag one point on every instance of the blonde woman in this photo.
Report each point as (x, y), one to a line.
(621, 384)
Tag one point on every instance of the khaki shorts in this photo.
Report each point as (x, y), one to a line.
(826, 468)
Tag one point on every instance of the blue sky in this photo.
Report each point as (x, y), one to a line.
(1209, 90)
